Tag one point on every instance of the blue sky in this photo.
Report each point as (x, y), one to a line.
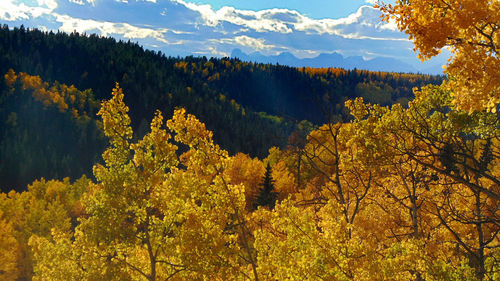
(216, 28)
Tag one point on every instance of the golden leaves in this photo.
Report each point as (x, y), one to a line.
(10, 77)
(470, 29)
(115, 119)
(9, 251)
(149, 216)
(367, 190)
(64, 98)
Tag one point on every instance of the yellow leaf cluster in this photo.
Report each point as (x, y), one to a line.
(64, 98)
(469, 28)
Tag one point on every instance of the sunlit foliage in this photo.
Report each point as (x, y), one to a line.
(470, 29)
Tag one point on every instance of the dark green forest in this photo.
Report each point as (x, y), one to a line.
(250, 107)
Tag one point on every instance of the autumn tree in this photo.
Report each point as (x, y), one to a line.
(9, 251)
(303, 243)
(344, 167)
(284, 172)
(401, 185)
(45, 207)
(470, 29)
(242, 169)
(446, 163)
(460, 146)
(154, 215)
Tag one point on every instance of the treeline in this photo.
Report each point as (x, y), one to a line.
(314, 94)
(97, 63)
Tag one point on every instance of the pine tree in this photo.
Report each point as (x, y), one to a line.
(267, 195)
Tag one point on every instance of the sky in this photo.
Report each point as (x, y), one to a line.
(216, 28)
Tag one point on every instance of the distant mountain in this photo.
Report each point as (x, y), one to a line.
(337, 60)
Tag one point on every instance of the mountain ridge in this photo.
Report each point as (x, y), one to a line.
(337, 60)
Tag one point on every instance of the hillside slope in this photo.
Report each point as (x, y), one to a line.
(249, 107)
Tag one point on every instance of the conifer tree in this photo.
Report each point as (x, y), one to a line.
(267, 195)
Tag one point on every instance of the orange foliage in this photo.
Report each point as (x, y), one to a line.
(64, 98)
(469, 28)
(247, 171)
(331, 71)
(10, 77)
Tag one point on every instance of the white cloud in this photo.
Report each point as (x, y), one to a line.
(83, 2)
(51, 4)
(12, 11)
(248, 44)
(206, 12)
(363, 24)
(371, 2)
(79, 2)
(254, 43)
(391, 25)
(213, 51)
(261, 21)
(366, 21)
(70, 24)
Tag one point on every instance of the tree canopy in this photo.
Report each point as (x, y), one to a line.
(470, 30)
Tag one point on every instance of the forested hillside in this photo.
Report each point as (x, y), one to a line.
(52, 131)
(92, 62)
(48, 131)
(250, 107)
(153, 81)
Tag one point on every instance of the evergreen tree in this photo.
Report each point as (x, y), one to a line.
(267, 195)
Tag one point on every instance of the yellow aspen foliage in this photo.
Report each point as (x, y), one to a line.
(45, 207)
(249, 172)
(440, 180)
(343, 159)
(55, 260)
(408, 260)
(154, 215)
(10, 77)
(9, 251)
(335, 72)
(469, 28)
(284, 181)
(63, 97)
(42, 92)
(467, 224)
(400, 195)
(299, 243)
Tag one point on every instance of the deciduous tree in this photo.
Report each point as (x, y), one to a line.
(470, 29)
